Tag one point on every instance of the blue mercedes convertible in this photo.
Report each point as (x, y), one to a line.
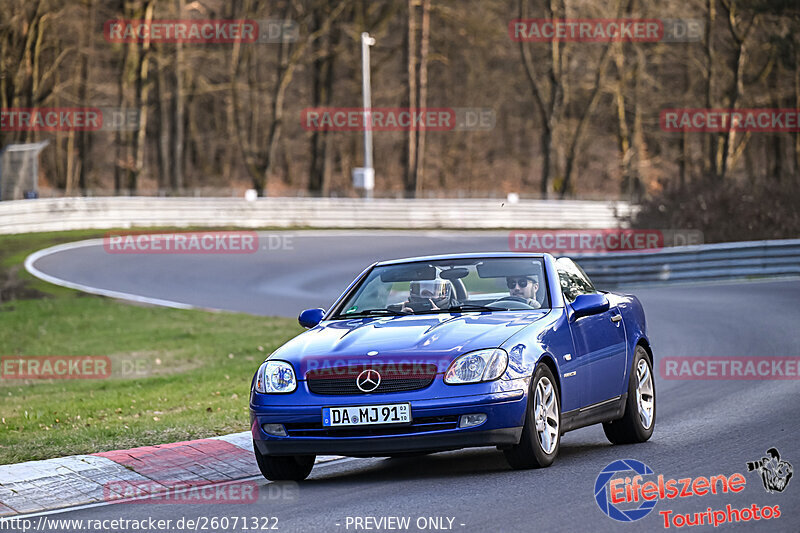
(446, 352)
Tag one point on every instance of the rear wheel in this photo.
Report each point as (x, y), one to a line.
(288, 468)
(541, 434)
(640, 409)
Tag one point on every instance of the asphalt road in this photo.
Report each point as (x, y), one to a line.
(291, 271)
(703, 428)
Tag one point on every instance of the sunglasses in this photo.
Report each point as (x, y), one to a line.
(511, 283)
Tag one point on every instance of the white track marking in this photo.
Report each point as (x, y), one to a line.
(31, 268)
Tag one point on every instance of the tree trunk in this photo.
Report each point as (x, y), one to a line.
(683, 144)
(587, 112)
(419, 163)
(163, 123)
(69, 172)
(710, 164)
(178, 119)
(84, 138)
(550, 113)
(775, 139)
(623, 131)
(321, 94)
(287, 65)
(411, 85)
(726, 156)
(797, 106)
(142, 94)
(120, 137)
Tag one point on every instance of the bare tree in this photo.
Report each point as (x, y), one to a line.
(739, 32)
(425, 40)
(547, 91)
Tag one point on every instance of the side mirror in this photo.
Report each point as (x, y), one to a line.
(589, 304)
(311, 317)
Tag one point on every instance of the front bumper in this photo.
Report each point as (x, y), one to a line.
(504, 403)
(380, 446)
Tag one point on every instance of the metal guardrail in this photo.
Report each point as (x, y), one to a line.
(58, 214)
(707, 262)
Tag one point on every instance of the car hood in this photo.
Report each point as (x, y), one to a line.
(442, 336)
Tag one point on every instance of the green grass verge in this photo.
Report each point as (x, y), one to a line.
(15, 282)
(176, 374)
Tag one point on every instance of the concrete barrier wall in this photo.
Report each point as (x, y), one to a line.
(57, 214)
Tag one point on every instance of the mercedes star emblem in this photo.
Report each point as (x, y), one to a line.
(368, 380)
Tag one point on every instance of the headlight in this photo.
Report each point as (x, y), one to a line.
(483, 365)
(275, 377)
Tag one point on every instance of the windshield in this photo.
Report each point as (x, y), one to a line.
(460, 285)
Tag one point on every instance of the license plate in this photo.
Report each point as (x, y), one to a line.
(363, 415)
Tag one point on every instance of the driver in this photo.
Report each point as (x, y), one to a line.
(429, 295)
(524, 288)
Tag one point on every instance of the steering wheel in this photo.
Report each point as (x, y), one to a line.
(519, 303)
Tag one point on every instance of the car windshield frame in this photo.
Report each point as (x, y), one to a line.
(355, 291)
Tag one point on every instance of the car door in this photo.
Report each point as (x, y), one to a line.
(599, 340)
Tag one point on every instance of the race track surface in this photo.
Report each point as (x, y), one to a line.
(704, 428)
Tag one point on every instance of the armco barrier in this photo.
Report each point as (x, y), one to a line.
(57, 214)
(708, 262)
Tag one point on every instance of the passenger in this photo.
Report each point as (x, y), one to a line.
(429, 295)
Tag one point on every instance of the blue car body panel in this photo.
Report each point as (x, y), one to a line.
(590, 358)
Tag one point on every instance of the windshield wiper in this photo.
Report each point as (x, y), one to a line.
(473, 307)
(375, 312)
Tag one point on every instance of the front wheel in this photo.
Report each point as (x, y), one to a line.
(541, 433)
(288, 468)
(640, 409)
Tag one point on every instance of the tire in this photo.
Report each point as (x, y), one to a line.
(531, 452)
(288, 468)
(640, 406)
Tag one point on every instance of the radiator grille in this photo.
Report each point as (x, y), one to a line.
(342, 380)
